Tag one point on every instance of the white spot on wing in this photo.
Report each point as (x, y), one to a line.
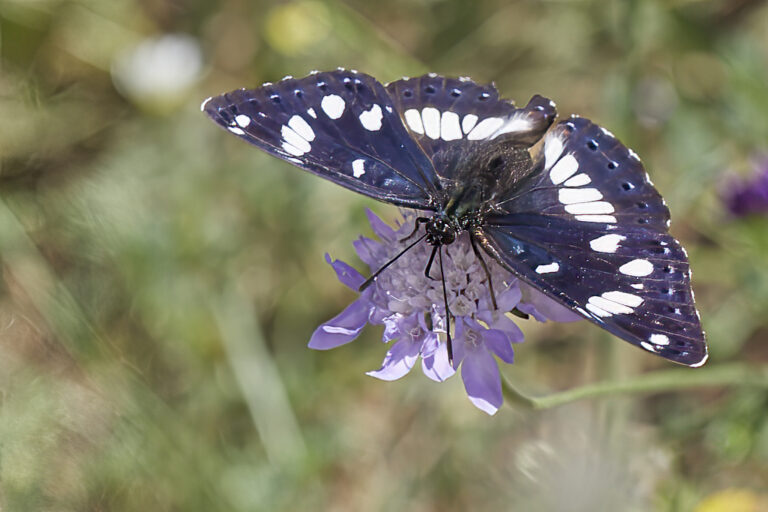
(606, 243)
(449, 126)
(563, 169)
(468, 123)
(638, 286)
(607, 132)
(577, 195)
(701, 363)
(553, 148)
(293, 150)
(413, 119)
(590, 208)
(545, 269)
(431, 118)
(485, 128)
(205, 102)
(647, 346)
(578, 180)
(659, 339)
(624, 298)
(333, 106)
(632, 154)
(300, 126)
(235, 130)
(312, 112)
(598, 311)
(516, 123)
(606, 219)
(295, 140)
(637, 268)
(358, 167)
(614, 308)
(371, 119)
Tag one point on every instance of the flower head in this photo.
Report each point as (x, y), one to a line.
(411, 307)
(748, 196)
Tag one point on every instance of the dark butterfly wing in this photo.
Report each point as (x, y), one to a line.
(447, 115)
(340, 125)
(590, 230)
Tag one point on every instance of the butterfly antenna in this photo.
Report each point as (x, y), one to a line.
(447, 311)
(485, 268)
(373, 277)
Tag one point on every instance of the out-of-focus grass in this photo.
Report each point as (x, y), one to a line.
(161, 279)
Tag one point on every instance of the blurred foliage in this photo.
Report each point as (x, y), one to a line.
(160, 279)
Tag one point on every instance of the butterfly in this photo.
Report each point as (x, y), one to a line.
(566, 208)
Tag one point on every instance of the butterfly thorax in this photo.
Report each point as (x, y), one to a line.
(478, 179)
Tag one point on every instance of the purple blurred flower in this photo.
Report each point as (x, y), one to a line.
(410, 306)
(746, 196)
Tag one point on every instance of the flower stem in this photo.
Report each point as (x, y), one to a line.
(726, 375)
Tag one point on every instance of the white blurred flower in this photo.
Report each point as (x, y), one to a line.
(158, 72)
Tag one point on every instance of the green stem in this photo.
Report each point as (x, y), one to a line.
(725, 375)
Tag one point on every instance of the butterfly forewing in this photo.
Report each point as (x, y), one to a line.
(590, 230)
(340, 125)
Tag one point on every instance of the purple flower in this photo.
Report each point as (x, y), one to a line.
(747, 196)
(410, 307)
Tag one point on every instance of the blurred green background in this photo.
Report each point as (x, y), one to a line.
(160, 278)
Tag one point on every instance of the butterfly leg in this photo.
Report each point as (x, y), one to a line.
(447, 311)
(419, 222)
(429, 263)
(485, 268)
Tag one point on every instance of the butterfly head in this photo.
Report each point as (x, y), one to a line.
(441, 230)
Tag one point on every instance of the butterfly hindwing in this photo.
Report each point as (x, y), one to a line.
(590, 230)
(446, 115)
(340, 125)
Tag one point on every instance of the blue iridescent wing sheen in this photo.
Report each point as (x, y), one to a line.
(340, 125)
(589, 229)
(448, 115)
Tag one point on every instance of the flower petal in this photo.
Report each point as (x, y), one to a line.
(509, 298)
(343, 328)
(370, 251)
(482, 382)
(391, 328)
(434, 362)
(345, 273)
(498, 342)
(381, 228)
(510, 329)
(398, 361)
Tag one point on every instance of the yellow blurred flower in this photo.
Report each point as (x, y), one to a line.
(295, 27)
(733, 500)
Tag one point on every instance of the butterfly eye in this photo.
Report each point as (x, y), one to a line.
(322, 86)
(592, 145)
(627, 185)
(348, 83)
(275, 98)
(298, 93)
(668, 269)
(612, 165)
(455, 93)
(483, 96)
(429, 89)
(408, 93)
(642, 220)
(642, 205)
